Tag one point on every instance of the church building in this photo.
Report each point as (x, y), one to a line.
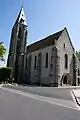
(48, 62)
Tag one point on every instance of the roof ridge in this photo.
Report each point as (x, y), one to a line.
(47, 37)
(45, 42)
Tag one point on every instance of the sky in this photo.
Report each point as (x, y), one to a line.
(44, 17)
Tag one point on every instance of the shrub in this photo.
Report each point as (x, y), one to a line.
(5, 73)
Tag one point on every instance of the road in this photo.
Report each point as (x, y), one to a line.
(14, 106)
(53, 92)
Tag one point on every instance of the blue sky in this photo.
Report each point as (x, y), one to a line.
(44, 17)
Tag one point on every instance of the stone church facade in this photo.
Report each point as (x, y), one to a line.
(50, 61)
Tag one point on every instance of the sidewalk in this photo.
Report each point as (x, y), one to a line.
(68, 86)
(77, 95)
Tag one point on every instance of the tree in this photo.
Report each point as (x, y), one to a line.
(2, 51)
(78, 54)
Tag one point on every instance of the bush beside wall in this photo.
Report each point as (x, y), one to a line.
(5, 73)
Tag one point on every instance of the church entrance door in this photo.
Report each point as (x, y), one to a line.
(65, 79)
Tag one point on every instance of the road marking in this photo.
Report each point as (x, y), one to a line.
(37, 97)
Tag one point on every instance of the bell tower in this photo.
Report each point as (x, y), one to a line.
(17, 56)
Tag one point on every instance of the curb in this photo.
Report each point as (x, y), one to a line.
(76, 99)
(13, 84)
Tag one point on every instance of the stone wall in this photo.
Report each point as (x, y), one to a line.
(64, 47)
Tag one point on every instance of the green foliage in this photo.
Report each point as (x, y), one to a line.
(5, 73)
(2, 51)
(78, 54)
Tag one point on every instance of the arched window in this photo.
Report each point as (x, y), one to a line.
(26, 62)
(66, 61)
(78, 77)
(35, 62)
(78, 72)
(19, 33)
(64, 45)
(46, 65)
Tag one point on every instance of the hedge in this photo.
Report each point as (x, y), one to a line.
(5, 73)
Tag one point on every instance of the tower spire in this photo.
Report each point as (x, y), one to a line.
(21, 16)
(22, 4)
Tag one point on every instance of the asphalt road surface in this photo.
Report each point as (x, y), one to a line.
(15, 106)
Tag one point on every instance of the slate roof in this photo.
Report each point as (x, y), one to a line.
(47, 41)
